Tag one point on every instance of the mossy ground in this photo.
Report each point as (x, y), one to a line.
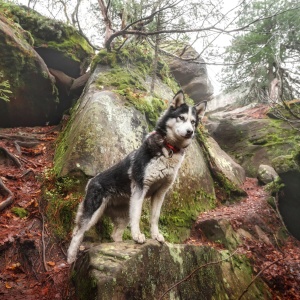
(20, 212)
(60, 200)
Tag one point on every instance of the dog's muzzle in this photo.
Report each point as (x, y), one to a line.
(189, 134)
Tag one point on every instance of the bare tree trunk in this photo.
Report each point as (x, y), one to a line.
(274, 90)
(108, 26)
(156, 49)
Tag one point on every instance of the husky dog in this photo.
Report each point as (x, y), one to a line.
(149, 171)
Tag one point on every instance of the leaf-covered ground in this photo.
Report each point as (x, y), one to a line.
(277, 263)
(33, 264)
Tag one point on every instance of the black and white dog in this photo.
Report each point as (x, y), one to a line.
(149, 171)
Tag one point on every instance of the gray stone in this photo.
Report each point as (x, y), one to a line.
(266, 174)
(132, 271)
(103, 130)
(192, 76)
(225, 164)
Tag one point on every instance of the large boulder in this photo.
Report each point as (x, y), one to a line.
(61, 46)
(251, 138)
(29, 45)
(192, 75)
(34, 99)
(105, 126)
(131, 271)
(266, 174)
(102, 131)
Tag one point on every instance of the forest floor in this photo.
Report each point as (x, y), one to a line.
(33, 264)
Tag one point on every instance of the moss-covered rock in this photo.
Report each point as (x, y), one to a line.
(61, 46)
(253, 142)
(131, 271)
(112, 118)
(33, 100)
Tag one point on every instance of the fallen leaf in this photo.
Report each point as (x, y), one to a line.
(7, 285)
(51, 263)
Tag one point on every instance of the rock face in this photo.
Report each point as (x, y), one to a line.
(253, 139)
(288, 169)
(29, 45)
(192, 76)
(61, 46)
(131, 271)
(229, 168)
(34, 99)
(102, 132)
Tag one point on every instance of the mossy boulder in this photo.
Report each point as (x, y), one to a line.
(102, 131)
(254, 139)
(61, 46)
(251, 141)
(111, 119)
(192, 75)
(132, 271)
(33, 100)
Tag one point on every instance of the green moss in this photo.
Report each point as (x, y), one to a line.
(180, 211)
(285, 163)
(20, 212)
(127, 74)
(61, 196)
(39, 29)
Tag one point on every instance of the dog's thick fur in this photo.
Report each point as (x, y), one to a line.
(149, 171)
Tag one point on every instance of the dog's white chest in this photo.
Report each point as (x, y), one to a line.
(162, 169)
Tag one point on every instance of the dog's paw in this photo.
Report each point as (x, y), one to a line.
(139, 238)
(159, 237)
(71, 258)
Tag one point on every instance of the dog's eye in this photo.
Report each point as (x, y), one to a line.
(181, 118)
(193, 122)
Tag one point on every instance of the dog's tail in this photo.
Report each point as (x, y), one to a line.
(83, 223)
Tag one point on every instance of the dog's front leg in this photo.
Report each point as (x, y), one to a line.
(135, 211)
(157, 201)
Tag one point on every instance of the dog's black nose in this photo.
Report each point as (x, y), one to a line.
(189, 133)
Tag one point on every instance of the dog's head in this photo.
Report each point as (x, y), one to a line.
(180, 121)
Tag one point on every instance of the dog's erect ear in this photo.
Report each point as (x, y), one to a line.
(200, 108)
(178, 99)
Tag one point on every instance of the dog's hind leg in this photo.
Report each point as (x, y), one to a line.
(120, 225)
(83, 224)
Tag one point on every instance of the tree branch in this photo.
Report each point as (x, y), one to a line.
(126, 31)
(257, 275)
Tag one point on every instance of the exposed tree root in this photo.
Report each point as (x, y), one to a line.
(8, 158)
(18, 137)
(6, 193)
